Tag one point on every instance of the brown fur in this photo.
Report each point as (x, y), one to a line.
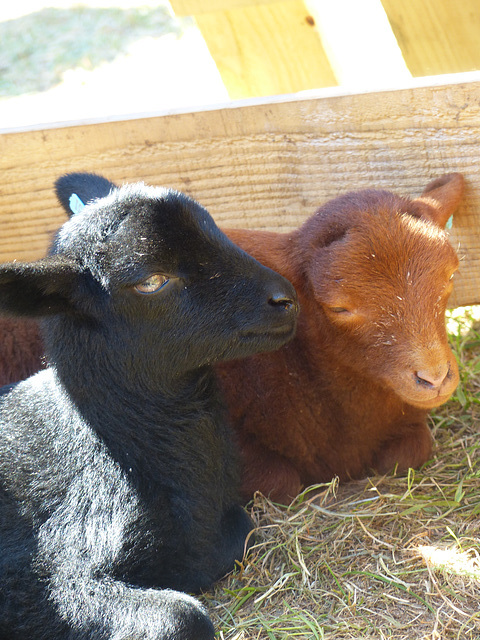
(21, 349)
(343, 398)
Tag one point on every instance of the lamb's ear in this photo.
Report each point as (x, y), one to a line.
(441, 198)
(41, 288)
(75, 190)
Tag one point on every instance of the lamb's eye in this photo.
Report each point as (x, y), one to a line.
(338, 310)
(152, 284)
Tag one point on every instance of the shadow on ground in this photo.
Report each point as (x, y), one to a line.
(38, 48)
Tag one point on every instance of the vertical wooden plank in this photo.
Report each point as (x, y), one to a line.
(359, 42)
(437, 36)
(266, 49)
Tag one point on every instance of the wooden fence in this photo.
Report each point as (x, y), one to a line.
(266, 164)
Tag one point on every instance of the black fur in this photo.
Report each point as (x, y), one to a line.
(118, 475)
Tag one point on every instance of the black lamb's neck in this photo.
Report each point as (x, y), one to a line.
(171, 399)
(132, 411)
(140, 428)
(91, 362)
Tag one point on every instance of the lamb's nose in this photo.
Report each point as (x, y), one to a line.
(434, 378)
(281, 299)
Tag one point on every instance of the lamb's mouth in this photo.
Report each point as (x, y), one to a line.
(283, 333)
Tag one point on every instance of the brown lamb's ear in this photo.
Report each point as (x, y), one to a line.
(441, 198)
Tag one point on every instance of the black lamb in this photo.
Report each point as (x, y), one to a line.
(118, 475)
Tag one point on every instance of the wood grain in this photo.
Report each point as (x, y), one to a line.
(266, 49)
(267, 165)
(436, 36)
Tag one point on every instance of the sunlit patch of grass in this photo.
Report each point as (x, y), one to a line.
(462, 320)
(452, 560)
(463, 326)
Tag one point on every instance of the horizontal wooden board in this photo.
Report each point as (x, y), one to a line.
(267, 165)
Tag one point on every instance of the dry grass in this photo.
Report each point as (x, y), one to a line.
(388, 557)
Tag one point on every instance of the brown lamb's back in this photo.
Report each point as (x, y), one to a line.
(21, 349)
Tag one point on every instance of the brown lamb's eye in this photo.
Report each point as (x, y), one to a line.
(338, 310)
(152, 284)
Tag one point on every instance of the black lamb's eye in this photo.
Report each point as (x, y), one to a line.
(152, 284)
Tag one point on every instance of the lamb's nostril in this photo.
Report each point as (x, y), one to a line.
(282, 300)
(432, 378)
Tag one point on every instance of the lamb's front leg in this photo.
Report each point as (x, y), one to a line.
(79, 547)
(411, 448)
(266, 471)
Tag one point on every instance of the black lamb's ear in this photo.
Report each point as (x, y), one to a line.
(39, 288)
(75, 190)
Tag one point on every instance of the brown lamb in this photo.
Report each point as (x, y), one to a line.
(351, 393)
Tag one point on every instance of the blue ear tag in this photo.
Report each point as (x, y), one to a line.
(449, 222)
(76, 205)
